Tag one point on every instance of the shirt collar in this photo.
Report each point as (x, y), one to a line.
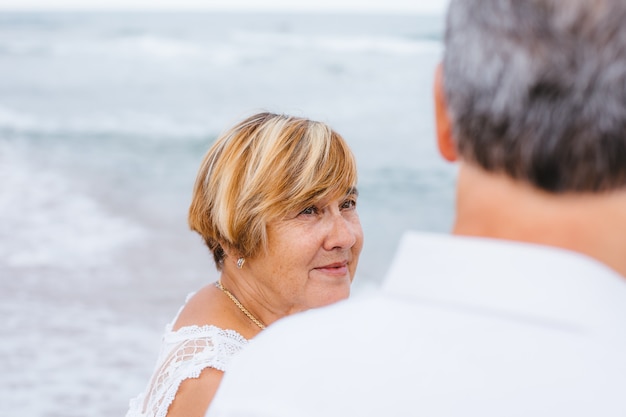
(531, 282)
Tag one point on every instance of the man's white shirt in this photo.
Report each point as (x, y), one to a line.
(461, 327)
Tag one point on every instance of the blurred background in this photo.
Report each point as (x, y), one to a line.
(105, 115)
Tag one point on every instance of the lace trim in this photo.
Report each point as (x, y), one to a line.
(185, 353)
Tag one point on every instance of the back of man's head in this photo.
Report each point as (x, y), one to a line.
(536, 89)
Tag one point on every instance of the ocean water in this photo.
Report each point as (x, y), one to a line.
(104, 119)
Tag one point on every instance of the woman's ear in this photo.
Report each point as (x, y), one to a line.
(445, 141)
(229, 252)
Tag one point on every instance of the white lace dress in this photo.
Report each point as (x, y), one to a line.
(184, 354)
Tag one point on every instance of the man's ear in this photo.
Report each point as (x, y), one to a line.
(445, 141)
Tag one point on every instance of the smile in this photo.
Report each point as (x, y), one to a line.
(337, 268)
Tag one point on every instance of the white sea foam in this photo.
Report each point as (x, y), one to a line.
(47, 222)
(18, 46)
(13, 120)
(338, 43)
(127, 123)
(159, 47)
(236, 45)
(70, 359)
(137, 47)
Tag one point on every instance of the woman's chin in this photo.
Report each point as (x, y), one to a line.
(337, 294)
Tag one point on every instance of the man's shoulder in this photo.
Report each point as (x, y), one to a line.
(364, 309)
(455, 318)
(371, 318)
(381, 354)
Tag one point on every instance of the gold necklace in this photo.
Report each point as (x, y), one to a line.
(256, 321)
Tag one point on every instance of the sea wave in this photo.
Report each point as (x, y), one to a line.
(339, 43)
(47, 221)
(134, 124)
(236, 45)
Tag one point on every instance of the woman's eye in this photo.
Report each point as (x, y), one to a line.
(309, 210)
(349, 204)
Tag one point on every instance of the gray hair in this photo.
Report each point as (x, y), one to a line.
(536, 89)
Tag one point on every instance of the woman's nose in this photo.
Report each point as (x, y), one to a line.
(341, 234)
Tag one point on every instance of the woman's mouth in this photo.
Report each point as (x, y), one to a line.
(336, 268)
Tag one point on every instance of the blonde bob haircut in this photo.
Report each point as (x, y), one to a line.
(261, 170)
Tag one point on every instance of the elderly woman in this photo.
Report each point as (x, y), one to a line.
(275, 202)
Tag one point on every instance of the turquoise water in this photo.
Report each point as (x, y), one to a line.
(103, 121)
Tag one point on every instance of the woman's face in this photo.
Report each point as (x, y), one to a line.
(312, 256)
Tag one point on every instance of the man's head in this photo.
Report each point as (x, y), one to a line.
(536, 89)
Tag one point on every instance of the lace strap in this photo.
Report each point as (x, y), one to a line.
(187, 352)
